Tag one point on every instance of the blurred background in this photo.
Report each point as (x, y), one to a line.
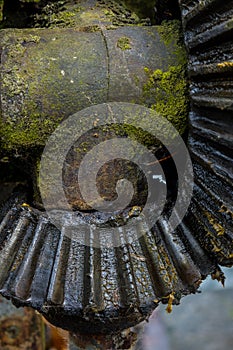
(202, 321)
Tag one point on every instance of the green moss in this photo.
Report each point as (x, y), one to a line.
(166, 91)
(33, 105)
(137, 134)
(31, 39)
(1, 9)
(170, 91)
(35, 99)
(26, 134)
(170, 31)
(230, 24)
(109, 131)
(171, 34)
(119, 13)
(70, 14)
(58, 14)
(62, 19)
(124, 43)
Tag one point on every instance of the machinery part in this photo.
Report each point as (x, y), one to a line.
(50, 74)
(128, 282)
(208, 36)
(93, 290)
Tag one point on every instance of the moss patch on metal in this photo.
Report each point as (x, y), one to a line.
(124, 43)
(40, 88)
(58, 14)
(40, 85)
(1, 9)
(68, 14)
(167, 91)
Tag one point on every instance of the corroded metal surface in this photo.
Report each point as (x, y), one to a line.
(93, 290)
(208, 28)
(20, 329)
(49, 74)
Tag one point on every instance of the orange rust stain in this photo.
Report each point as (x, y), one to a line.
(58, 338)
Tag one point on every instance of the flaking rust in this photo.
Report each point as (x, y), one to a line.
(20, 329)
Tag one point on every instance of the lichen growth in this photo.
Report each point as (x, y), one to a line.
(124, 43)
(226, 210)
(226, 64)
(215, 224)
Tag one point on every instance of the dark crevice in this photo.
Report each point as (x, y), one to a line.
(18, 14)
(108, 62)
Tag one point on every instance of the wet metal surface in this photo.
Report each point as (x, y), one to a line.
(208, 36)
(92, 289)
(97, 290)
